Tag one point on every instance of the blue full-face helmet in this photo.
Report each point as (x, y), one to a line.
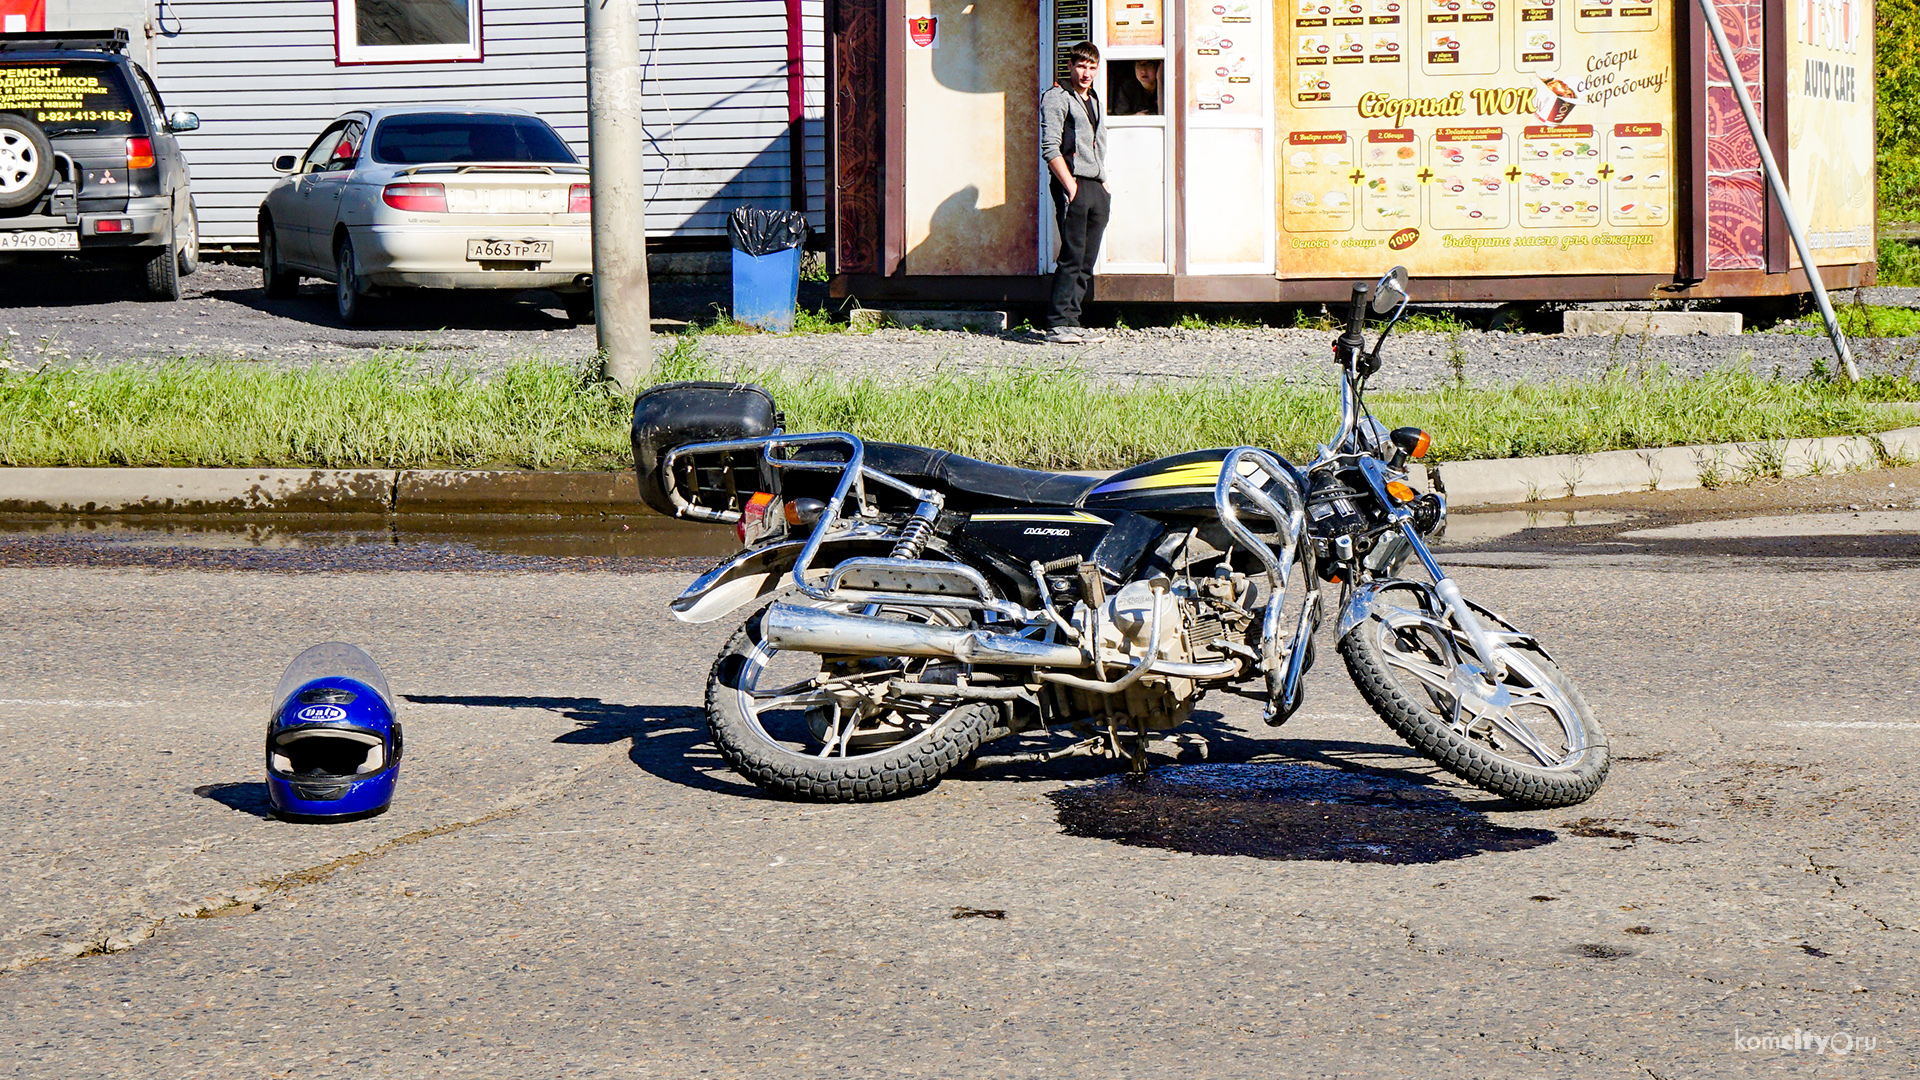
(333, 742)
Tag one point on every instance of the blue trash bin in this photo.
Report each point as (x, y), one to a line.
(766, 265)
(766, 288)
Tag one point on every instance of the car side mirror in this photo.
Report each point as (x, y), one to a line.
(286, 163)
(183, 121)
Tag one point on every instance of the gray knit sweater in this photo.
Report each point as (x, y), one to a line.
(1074, 129)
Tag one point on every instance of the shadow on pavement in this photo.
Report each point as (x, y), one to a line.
(248, 798)
(32, 283)
(669, 741)
(414, 309)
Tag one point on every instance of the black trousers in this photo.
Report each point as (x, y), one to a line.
(1082, 223)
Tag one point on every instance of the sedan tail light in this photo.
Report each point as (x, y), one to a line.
(580, 199)
(139, 153)
(429, 198)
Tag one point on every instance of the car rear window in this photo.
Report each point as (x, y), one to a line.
(71, 97)
(435, 137)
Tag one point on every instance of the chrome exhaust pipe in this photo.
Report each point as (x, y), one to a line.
(788, 626)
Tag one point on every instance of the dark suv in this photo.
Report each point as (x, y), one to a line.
(89, 165)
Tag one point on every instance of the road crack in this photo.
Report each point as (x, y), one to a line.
(255, 896)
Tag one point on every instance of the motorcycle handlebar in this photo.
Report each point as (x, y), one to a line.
(1355, 339)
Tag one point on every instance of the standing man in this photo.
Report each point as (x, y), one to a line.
(1073, 144)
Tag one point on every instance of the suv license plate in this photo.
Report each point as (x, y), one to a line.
(41, 240)
(513, 250)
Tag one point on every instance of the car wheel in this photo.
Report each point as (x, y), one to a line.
(26, 161)
(350, 299)
(276, 281)
(579, 306)
(162, 272)
(190, 246)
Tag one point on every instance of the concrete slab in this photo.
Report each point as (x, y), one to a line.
(1654, 323)
(478, 491)
(1487, 483)
(196, 491)
(978, 322)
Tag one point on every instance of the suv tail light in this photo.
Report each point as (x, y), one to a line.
(580, 199)
(139, 153)
(430, 198)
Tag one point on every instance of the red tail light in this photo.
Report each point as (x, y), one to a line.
(580, 199)
(753, 516)
(139, 153)
(427, 198)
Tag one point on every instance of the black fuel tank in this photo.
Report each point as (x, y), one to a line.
(1181, 484)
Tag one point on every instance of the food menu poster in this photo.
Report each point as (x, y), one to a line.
(1133, 22)
(1475, 137)
(1225, 69)
(1830, 128)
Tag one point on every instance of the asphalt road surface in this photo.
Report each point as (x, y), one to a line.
(570, 883)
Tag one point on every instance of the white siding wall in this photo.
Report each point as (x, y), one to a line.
(262, 77)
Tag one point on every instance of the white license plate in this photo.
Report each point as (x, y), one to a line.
(510, 250)
(41, 240)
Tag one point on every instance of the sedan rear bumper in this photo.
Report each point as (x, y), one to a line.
(435, 257)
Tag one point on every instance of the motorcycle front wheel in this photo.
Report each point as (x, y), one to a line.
(807, 727)
(1527, 735)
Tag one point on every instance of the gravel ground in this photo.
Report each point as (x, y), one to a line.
(96, 318)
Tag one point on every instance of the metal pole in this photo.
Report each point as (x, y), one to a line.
(616, 141)
(1847, 369)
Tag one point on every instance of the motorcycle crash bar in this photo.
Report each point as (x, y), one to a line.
(789, 626)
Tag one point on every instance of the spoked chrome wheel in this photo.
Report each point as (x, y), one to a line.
(838, 728)
(1523, 733)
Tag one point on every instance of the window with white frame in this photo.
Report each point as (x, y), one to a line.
(406, 31)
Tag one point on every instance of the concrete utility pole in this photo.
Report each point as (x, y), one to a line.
(616, 141)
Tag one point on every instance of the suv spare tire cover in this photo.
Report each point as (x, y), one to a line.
(26, 161)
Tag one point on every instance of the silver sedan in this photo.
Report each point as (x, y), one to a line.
(430, 196)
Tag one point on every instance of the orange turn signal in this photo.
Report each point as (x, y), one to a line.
(1401, 490)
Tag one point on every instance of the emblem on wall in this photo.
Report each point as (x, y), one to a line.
(924, 30)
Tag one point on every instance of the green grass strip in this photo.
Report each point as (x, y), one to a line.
(387, 413)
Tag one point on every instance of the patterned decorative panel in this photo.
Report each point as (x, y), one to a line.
(1736, 188)
(859, 101)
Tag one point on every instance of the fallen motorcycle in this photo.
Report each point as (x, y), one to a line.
(908, 606)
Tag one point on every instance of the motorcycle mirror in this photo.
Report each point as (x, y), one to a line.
(1391, 289)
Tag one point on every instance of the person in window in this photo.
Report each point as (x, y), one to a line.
(1135, 89)
(1073, 144)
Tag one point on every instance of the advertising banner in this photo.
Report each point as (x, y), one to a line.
(22, 16)
(1830, 127)
(1476, 137)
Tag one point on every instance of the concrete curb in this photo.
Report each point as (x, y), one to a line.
(317, 491)
(455, 491)
(1520, 480)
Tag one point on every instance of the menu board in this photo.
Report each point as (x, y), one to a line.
(1225, 68)
(1830, 129)
(1133, 22)
(1480, 136)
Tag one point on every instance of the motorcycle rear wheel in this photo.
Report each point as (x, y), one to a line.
(775, 725)
(1528, 736)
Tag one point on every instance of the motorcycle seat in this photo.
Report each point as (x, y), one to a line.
(987, 484)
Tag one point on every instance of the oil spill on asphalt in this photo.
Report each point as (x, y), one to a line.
(333, 544)
(1286, 812)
